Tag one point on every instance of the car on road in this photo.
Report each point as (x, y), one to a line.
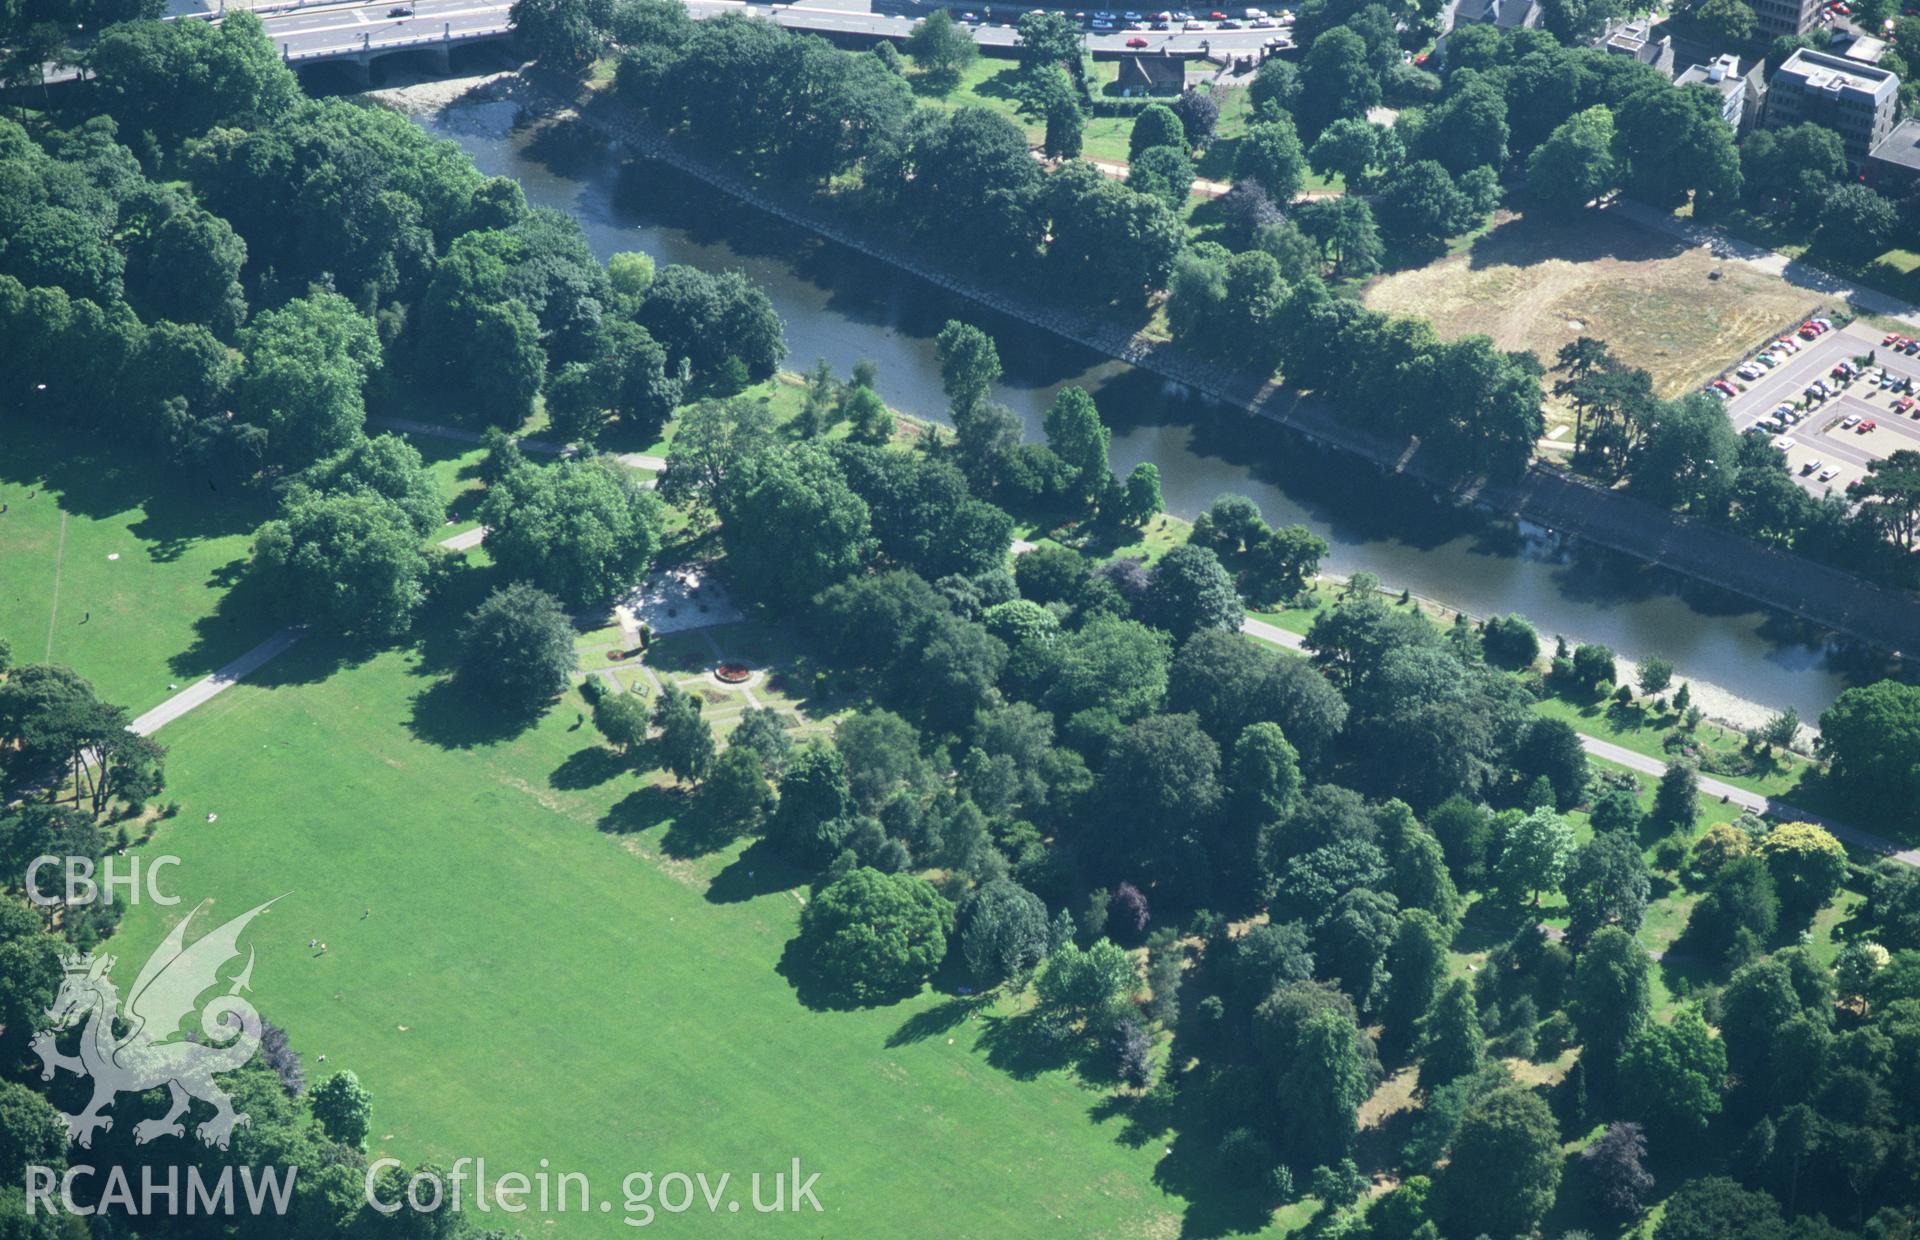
(1136, 41)
(400, 10)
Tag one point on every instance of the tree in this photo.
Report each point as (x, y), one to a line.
(1156, 125)
(1467, 129)
(791, 524)
(1270, 156)
(1077, 437)
(1615, 1171)
(622, 718)
(1454, 1046)
(384, 465)
(1416, 966)
(1612, 993)
(1163, 172)
(564, 34)
(969, 366)
(1277, 83)
(1090, 985)
(1335, 81)
(1002, 931)
(1535, 855)
(1759, 1000)
(1159, 791)
(1048, 40)
(1503, 1167)
(581, 529)
(1727, 22)
(1807, 863)
(1421, 206)
(941, 48)
(685, 745)
(518, 644)
(1656, 674)
(874, 937)
(307, 363)
(1199, 113)
(180, 79)
(736, 796)
(1592, 665)
(1713, 1207)
(344, 1109)
(1346, 232)
(348, 562)
(1607, 885)
(1671, 1076)
(1351, 941)
(1189, 591)
(1325, 1079)
(1140, 499)
(1797, 166)
(1677, 795)
(1870, 736)
(1857, 223)
(186, 267)
(1510, 642)
(1673, 141)
(814, 795)
(1551, 749)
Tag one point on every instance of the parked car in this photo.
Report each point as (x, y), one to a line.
(1849, 422)
(1229, 24)
(1786, 443)
(1193, 25)
(1262, 23)
(1903, 404)
(1810, 466)
(1867, 427)
(1828, 474)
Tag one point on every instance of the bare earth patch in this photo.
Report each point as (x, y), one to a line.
(1536, 284)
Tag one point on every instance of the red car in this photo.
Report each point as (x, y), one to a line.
(1136, 41)
(1216, 16)
(1868, 425)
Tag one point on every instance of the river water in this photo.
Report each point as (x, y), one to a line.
(843, 307)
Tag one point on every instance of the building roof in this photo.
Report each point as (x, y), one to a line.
(1153, 69)
(1819, 71)
(1722, 75)
(1867, 50)
(1901, 147)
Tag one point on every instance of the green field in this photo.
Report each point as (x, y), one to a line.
(530, 958)
(151, 616)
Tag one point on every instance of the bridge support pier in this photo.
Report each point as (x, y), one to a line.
(443, 58)
(361, 70)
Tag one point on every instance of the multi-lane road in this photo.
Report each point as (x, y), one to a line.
(327, 29)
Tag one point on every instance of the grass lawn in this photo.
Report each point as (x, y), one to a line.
(1639, 729)
(157, 613)
(533, 956)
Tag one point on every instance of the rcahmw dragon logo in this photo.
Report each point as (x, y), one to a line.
(154, 1051)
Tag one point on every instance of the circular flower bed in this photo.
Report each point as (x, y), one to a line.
(733, 673)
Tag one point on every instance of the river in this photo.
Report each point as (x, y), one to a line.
(843, 307)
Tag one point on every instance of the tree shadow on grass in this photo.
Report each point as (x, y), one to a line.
(641, 810)
(697, 831)
(942, 1017)
(1026, 1045)
(758, 871)
(1145, 1118)
(588, 767)
(448, 715)
(1191, 1170)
